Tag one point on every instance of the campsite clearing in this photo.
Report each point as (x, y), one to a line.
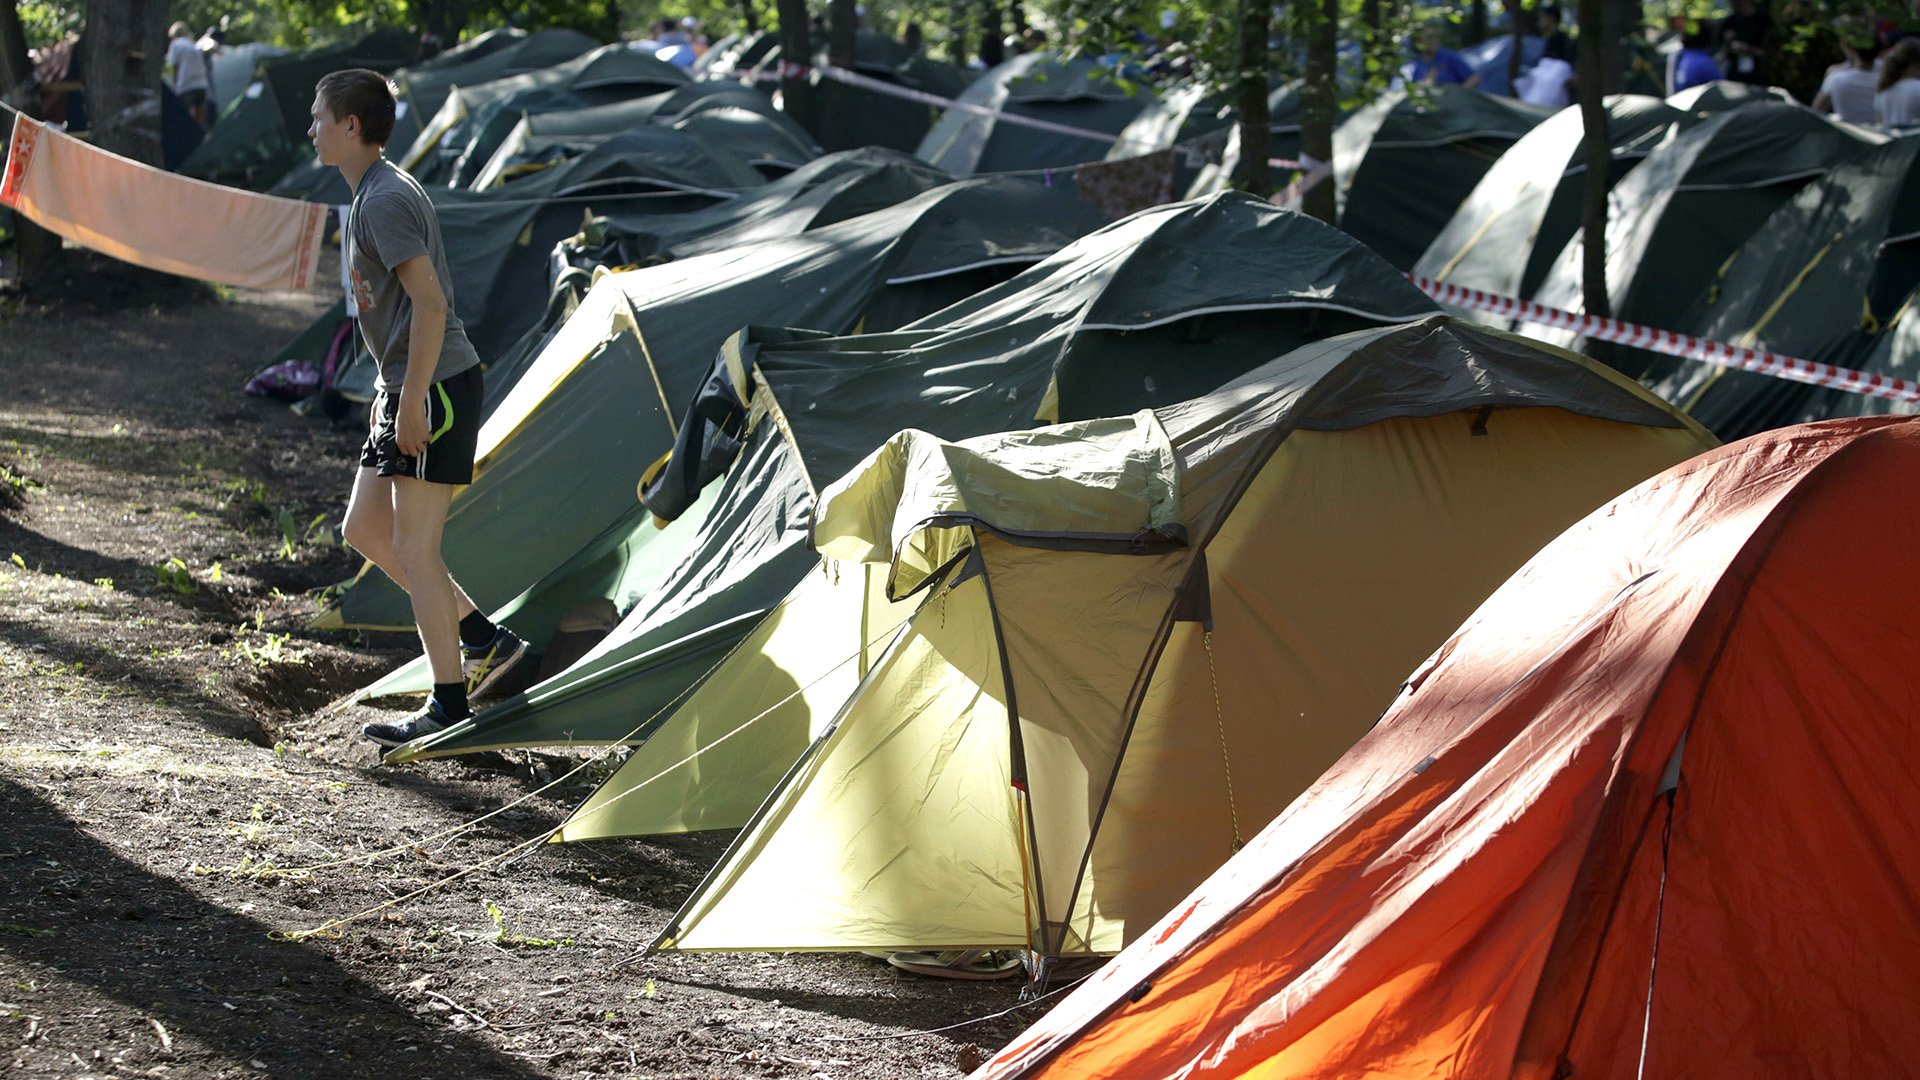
(165, 766)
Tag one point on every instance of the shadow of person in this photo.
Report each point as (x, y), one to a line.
(83, 919)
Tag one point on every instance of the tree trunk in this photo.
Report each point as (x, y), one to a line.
(836, 110)
(1318, 107)
(34, 247)
(993, 37)
(957, 40)
(1598, 157)
(1619, 20)
(1477, 22)
(1251, 174)
(1018, 14)
(125, 46)
(795, 50)
(14, 67)
(750, 20)
(1517, 14)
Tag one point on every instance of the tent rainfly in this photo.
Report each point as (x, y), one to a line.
(1650, 812)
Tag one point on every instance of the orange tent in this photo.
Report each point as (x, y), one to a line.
(1650, 812)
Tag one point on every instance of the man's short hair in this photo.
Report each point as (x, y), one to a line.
(1550, 11)
(360, 93)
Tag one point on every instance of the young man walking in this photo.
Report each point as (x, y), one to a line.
(426, 418)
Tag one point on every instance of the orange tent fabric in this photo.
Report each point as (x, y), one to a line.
(1649, 812)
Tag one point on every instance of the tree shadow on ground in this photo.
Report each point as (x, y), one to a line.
(82, 914)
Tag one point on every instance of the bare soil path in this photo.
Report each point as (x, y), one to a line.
(161, 743)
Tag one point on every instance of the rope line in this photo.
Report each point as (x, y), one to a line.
(1226, 762)
(963, 1023)
(525, 847)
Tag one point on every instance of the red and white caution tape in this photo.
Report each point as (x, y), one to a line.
(1674, 344)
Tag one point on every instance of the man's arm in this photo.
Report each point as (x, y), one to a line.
(424, 338)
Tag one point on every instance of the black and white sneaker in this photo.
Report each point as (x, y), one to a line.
(483, 665)
(399, 732)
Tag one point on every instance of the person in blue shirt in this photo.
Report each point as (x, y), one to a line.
(1693, 65)
(1435, 63)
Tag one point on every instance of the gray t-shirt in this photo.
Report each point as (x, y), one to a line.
(391, 221)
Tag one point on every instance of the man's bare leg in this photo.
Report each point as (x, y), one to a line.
(369, 530)
(419, 517)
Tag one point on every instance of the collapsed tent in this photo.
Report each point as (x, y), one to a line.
(1520, 216)
(1684, 210)
(1403, 164)
(561, 457)
(1077, 93)
(1142, 637)
(462, 136)
(1648, 812)
(1100, 327)
(1840, 254)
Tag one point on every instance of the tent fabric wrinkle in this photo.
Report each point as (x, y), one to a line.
(915, 501)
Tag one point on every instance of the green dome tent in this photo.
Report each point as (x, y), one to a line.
(1078, 93)
(1689, 205)
(760, 136)
(1520, 216)
(1839, 255)
(1403, 164)
(473, 120)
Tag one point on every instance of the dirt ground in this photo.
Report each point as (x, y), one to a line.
(162, 740)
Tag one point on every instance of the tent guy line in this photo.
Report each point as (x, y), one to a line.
(881, 86)
(1672, 343)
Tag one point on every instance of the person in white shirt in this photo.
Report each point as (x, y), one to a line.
(1898, 102)
(191, 78)
(1847, 91)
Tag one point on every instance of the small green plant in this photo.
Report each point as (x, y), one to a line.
(510, 935)
(174, 576)
(18, 561)
(294, 535)
(104, 583)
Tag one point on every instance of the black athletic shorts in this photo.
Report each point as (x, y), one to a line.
(453, 431)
